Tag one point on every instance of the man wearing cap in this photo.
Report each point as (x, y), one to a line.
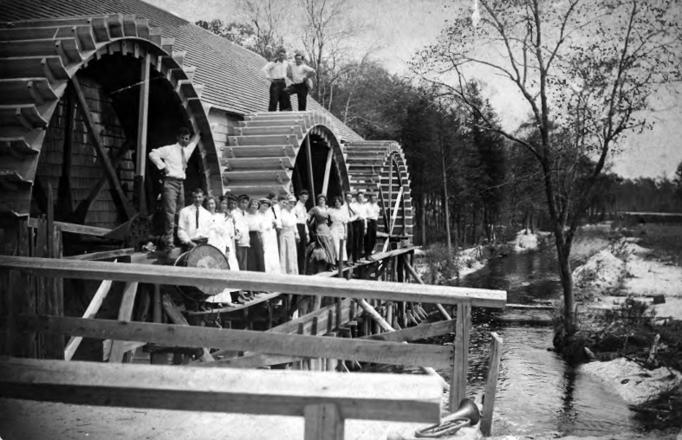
(241, 229)
(301, 80)
(301, 212)
(276, 72)
(172, 161)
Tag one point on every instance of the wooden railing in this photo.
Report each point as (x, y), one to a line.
(279, 344)
(325, 400)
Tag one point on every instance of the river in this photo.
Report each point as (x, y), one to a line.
(537, 391)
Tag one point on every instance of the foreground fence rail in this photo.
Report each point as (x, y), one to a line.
(325, 400)
(324, 416)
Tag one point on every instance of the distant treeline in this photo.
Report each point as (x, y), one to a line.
(455, 157)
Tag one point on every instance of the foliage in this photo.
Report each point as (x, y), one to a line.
(245, 35)
(585, 71)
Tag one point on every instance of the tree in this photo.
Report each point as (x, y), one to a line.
(678, 181)
(326, 36)
(585, 70)
(242, 34)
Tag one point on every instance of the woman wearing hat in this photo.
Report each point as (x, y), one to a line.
(269, 237)
(339, 226)
(288, 236)
(254, 221)
(322, 251)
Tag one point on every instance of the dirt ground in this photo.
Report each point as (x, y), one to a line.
(29, 420)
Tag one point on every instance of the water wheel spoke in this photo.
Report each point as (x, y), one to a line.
(109, 169)
(311, 174)
(327, 171)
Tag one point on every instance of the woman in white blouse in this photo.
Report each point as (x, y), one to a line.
(288, 237)
(269, 224)
(339, 219)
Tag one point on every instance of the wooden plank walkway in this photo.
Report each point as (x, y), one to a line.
(257, 281)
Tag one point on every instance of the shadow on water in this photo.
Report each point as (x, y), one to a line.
(537, 391)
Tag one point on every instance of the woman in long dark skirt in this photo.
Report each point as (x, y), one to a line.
(323, 249)
(254, 220)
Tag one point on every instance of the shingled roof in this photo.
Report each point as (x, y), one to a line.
(230, 73)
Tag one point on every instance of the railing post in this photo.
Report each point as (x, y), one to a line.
(460, 362)
(491, 385)
(323, 422)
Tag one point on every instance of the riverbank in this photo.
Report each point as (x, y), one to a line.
(630, 319)
(435, 267)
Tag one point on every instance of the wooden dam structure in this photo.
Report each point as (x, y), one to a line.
(87, 89)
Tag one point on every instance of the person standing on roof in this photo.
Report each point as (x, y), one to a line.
(301, 76)
(276, 72)
(172, 161)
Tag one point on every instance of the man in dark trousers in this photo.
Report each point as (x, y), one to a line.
(301, 80)
(372, 213)
(301, 212)
(276, 71)
(172, 161)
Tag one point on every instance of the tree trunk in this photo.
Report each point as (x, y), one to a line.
(423, 219)
(445, 205)
(563, 254)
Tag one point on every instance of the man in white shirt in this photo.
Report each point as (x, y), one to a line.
(194, 221)
(276, 71)
(172, 161)
(301, 213)
(356, 227)
(372, 213)
(301, 80)
(243, 240)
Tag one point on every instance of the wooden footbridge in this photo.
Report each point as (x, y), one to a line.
(76, 203)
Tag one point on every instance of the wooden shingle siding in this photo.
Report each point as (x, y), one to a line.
(86, 170)
(230, 73)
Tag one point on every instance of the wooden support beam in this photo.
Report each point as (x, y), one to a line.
(176, 317)
(242, 340)
(64, 193)
(142, 126)
(103, 255)
(491, 384)
(74, 228)
(375, 396)
(460, 365)
(418, 279)
(327, 171)
(371, 311)
(311, 175)
(125, 313)
(101, 152)
(394, 213)
(428, 369)
(323, 422)
(298, 284)
(90, 312)
(421, 331)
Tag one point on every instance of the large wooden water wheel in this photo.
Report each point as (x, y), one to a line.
(379, 167)
(70, 127)
(283, 152)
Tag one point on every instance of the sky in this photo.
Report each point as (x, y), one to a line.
(395, 29)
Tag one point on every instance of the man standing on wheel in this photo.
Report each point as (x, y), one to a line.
(172, 161)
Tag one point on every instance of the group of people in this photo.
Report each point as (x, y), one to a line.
(275, 235)
(288, 79)
(280, 235)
